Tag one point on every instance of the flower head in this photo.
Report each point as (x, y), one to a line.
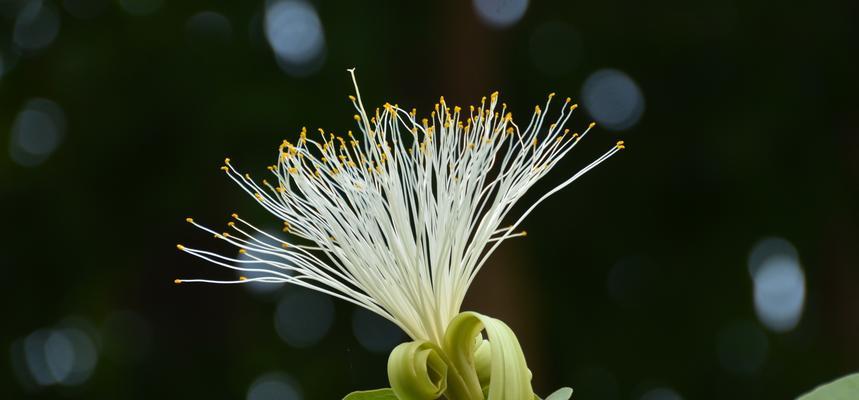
(401, 217)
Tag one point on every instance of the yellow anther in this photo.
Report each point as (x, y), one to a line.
(537, 109)
(573, 107)
(231, 224)
(225, 169)
(234, 215)
(620, 145)
(227, 160)
(357, 117)
(225, 234)
(524, 233)
(177, 281)
(568, 99)
(285, 245)
(242, 251)
(592, 124)
(551, 95)
(352, 98)
(180, 247)
(258, 196)
(189, 220)
(456, 109)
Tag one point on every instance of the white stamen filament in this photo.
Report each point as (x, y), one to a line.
(401, 221)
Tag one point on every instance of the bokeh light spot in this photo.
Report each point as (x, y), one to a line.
(294, 32)
(37, 25)
(37, 131)
(779, 284)
(66, 355)
(375, 333)
(613, 99)
(500, 13)
(274, 386)
(303, 317)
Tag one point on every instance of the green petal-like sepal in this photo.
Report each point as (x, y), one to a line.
(417, 371)
(510, 378)
(466, 366)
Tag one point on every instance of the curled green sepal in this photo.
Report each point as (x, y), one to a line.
(417, 371)
(509, 377)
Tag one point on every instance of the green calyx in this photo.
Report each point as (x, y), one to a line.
(465, 366)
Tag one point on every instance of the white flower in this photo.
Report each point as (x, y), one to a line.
(400, 218)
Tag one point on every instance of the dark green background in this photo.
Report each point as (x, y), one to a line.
(751, 129)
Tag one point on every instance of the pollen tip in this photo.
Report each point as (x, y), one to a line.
(573, 107)
(177, 281)
(180, 247)
(189, 220)
(592, 124)
(227, 160)
(231, 224)
(234, 215)
(242, 251)
(524, 233)
(551, 95)
(243, 278)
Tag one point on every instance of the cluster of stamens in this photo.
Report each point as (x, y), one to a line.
(399, 218)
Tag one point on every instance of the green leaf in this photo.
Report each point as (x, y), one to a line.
(846, 388)
(378, 394)
(561, 394)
